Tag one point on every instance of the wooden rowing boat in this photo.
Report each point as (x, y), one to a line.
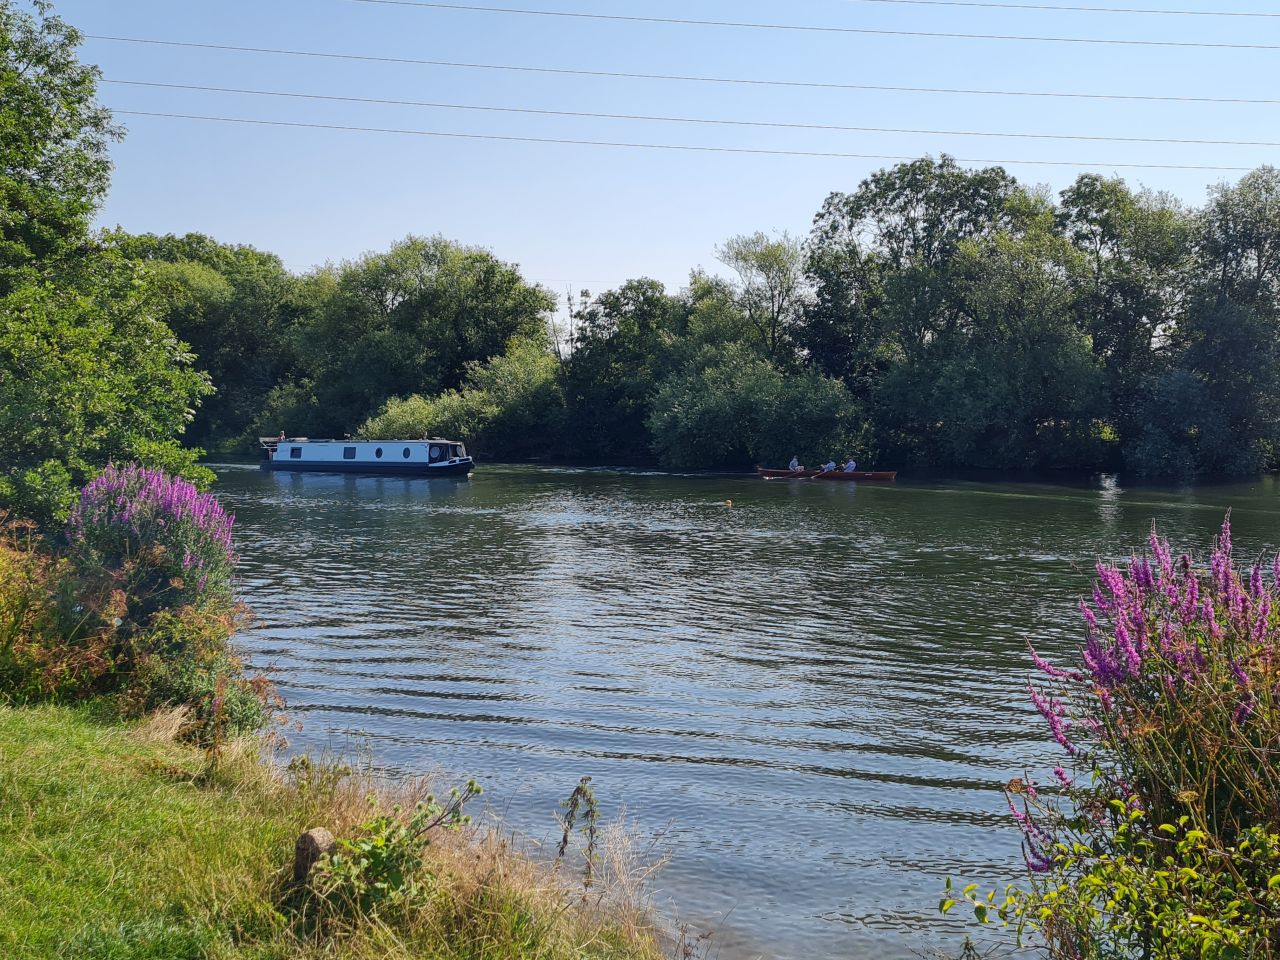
(826, 474)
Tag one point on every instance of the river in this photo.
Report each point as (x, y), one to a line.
(812, 695)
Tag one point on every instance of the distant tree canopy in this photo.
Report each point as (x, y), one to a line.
(935, 316)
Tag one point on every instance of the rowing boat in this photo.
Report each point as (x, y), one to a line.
(826, 474)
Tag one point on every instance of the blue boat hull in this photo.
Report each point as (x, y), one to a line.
(374, 469)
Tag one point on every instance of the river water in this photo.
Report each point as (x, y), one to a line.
(813, 695)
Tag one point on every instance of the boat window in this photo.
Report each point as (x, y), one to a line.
(348, 453)
(378, 453)
(435, 453)
(462, 450)
(295, 453)
(406, 453)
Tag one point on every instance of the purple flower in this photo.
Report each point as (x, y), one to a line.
(1048, 668)
(1053, 713)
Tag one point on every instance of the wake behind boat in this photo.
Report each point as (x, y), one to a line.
(826, 474)
(402, 458)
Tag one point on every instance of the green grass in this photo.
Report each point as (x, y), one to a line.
(113, 848)
(107, 850)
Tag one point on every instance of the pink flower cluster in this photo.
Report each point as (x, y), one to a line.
(1167, 645)
(128, 508)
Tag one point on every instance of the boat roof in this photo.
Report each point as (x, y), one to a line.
(267, 441)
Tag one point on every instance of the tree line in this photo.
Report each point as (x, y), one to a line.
(935, 316)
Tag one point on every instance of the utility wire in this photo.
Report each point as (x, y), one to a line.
(1059, 8)
(690, 120)
(865, 31)
(683, 78)
(662, 146)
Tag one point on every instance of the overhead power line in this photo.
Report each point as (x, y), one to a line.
(1059, 8)
(696, 148)
(688, 120)
(805, 28)
(684, 78)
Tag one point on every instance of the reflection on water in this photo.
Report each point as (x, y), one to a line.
(819, 690)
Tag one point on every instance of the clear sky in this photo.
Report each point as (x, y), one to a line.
(592, 216)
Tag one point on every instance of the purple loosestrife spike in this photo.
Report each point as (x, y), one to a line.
(1038, 861)
(1113, 580)
(1049, 669)
(1160, 550)
(1063, 779)
(1028, 826)
(1211, 620)
(1140, 574)
(1052, 713)
(1126, 649)
(1090, 618)
(1255, 582)
(1238, 672)
(1191, 600)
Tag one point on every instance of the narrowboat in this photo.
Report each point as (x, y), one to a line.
(401, 458)
(827, 474)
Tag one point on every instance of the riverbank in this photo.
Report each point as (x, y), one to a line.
(122, 842)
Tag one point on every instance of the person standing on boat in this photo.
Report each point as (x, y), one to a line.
(795, 465)
(851, 466)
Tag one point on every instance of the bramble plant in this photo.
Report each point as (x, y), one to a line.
(1161, 837)
(168, 542)
(383, 867)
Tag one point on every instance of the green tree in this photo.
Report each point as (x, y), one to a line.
(1217, 409)
(89, 374)
(54, 167)
(237, 307)
(736, 409)
(510, 406)
(1131, 286)
(772, 290)
(392, 324)
(1011, 383)
(622, 347)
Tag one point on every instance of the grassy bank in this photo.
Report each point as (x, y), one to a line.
(121, 844)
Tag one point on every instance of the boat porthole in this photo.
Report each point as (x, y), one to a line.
(435, 453)
(378, 453)
(406, 453)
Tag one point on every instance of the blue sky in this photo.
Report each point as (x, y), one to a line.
(582, 216)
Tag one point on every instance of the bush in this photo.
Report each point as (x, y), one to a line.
(739, 410)
(165, 543)
(1161, 838)
(140, 607)
(382, 869)
(511, 405)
